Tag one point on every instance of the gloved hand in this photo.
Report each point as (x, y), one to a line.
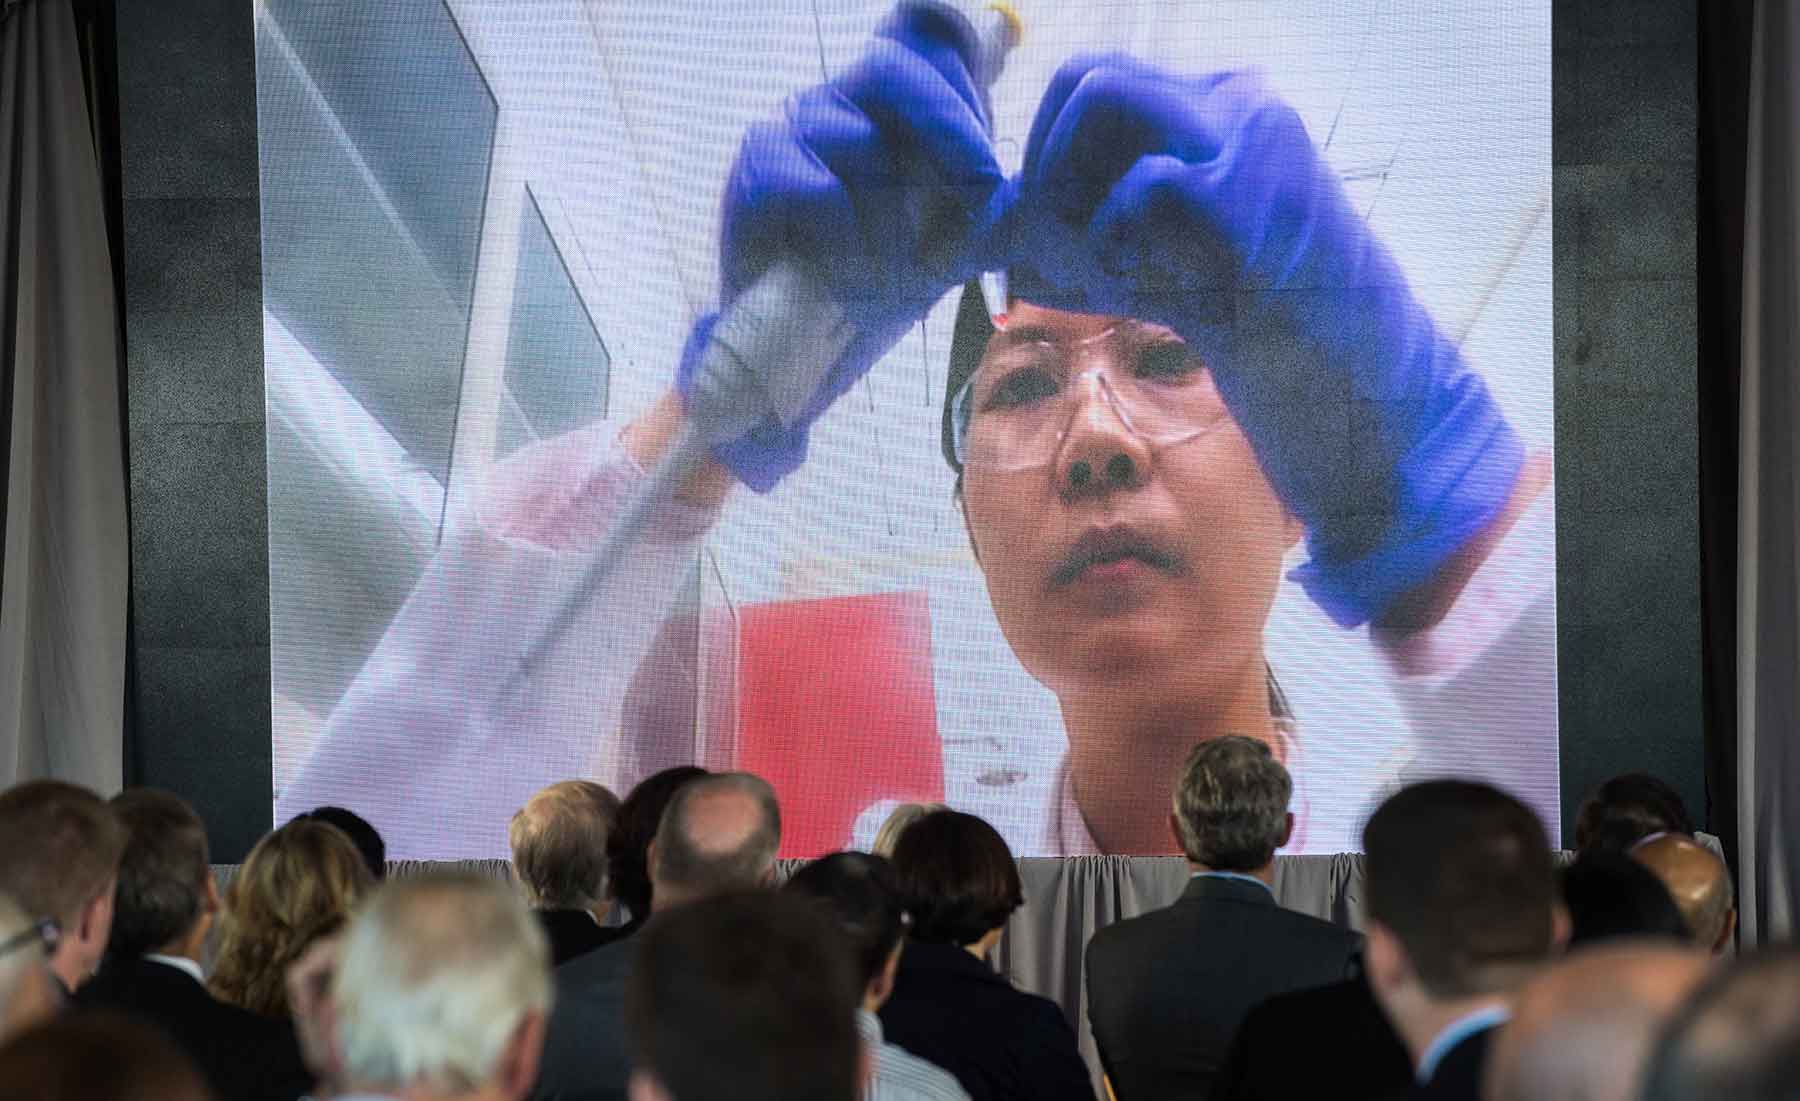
(1200, 203)
(883, 186)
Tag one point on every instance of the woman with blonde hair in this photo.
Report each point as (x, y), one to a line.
(299, 883)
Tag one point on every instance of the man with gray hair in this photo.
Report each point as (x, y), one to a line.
(438, 991)
(719, 834)
(1167, 991)
(558, 841)
(27, 989)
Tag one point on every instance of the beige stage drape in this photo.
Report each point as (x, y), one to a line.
(64, 587)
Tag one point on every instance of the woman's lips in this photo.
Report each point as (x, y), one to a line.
(1113, 554)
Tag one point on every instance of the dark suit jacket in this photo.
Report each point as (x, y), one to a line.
(1001, 1043)
(584, 1046)
(573, 933)
(1167, 991)
(244, 1055)
(1348, 1048)
(1458, 1073)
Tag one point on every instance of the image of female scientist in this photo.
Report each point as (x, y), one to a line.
(1205, 357)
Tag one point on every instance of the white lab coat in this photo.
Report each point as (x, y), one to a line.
(443, 735)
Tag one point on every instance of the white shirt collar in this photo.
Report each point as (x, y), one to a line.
(179, 963)
(1456, 1032)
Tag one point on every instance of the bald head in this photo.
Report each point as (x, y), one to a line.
(1582, 1030)
(1699, 883)
(719, 833)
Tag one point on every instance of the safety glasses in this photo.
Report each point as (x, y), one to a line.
(43, 931)
(1016, 410)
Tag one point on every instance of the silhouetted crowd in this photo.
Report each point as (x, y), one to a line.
(648, 948)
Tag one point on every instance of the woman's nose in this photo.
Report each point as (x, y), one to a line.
(1100, 449)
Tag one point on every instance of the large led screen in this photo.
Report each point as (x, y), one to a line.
(1064, 384)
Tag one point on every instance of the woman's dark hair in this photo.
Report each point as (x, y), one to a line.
(628, 846)
(1626, 809)
(861, 894)
(957, 876)
(1608, 895)
(364, 836)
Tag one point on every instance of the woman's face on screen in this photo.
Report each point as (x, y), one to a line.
(1123, 524)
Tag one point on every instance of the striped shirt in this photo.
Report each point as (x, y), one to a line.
(899, 1074)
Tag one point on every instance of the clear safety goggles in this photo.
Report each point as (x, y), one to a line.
(1016, 410)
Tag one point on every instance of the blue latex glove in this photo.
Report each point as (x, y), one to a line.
(883, 184)
(1200, 203)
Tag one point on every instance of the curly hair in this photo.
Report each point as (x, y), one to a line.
(298, 884)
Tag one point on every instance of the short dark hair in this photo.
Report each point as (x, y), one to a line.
(364, 836)
(1738, 1037)
(1611, 895)
(957, 877)
(1231, 804)
(74, 849)
(759, 984)
(1628, 808)
(628, 846)
(861, 894)
(683, 858)
(163, 874)
(968, 343)
(1461, 873)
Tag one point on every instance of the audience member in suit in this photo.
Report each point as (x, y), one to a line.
(1167, 990)
(1737, 1038)
(364, 836)
(1347, 1037)
(1699, 882)
(298, 884)
(860, 893)
(29, 993)
(165, 906)
(59, 857)
(1610, 895)
(98, 1057)
(949, 1007)
(745, 996)
(628, 845)
(1626, 809)
(720, 833)
(437, 990)
(1460, 895)
(1582, 1030)
(558, 841)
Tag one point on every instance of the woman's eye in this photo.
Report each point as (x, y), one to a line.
(1166, 361)
(1021, 386)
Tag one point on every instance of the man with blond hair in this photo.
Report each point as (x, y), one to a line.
(558, 841)
(59, 858)
(438, 991)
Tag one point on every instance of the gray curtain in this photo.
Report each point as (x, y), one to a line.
(64, 587)
(1768, 493)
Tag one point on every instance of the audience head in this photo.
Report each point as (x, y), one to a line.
(1461, 900)
(1582, 1029)
(896, 822)
(860, 893)
(761, 984)
(957, 878)
(442, 988)
(28, 992)
(98, 1056)
(166, 899)
(59, 856)
(1738, 1037)
(1610, 895)
(1231, 805)
(364, 836)
(719, 833)
(628, 845)
(1626, 809)
(1698, 881)
(558, 841)
(298, 884)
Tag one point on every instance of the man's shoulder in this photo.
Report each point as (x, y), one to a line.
(901, 1075)
(606, 966)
